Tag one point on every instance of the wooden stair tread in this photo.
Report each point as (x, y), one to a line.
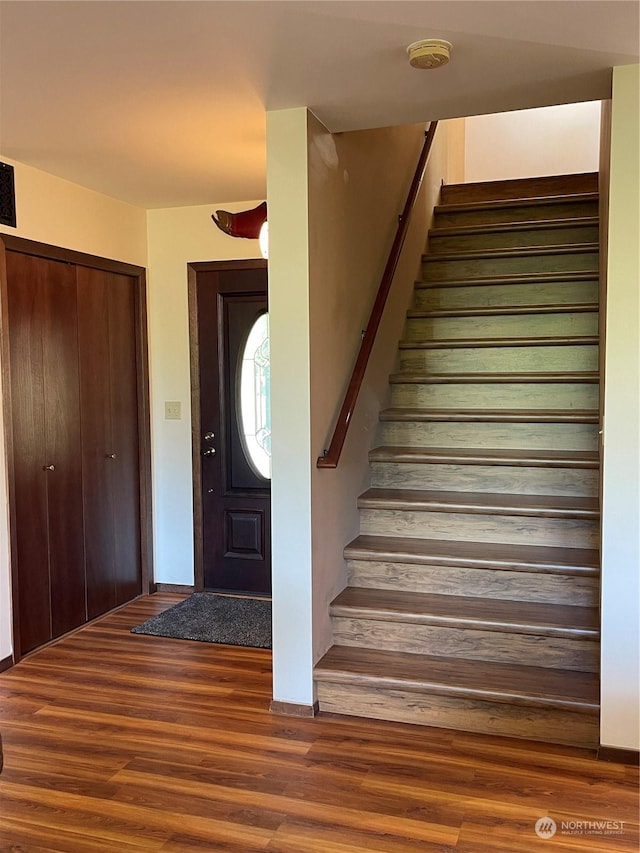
(419, 500)
(522, 617)
(505, 227)
(510, 203)
(436, 552)
(483, 456)
(589, 416)
(506, 310)
(472, 343)
(512, 252)
(590, 376)
(512, 278)
(471, 679)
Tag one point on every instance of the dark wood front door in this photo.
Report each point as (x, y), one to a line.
(231, 438)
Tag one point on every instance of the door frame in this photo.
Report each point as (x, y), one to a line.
(196, 432)
(9, 242)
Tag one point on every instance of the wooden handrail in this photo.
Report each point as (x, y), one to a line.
(330, 457)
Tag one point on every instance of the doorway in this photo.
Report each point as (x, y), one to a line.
(230, 383)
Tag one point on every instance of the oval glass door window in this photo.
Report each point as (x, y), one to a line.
(255, 390)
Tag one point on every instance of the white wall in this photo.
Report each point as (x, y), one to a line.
(333, 202)
(51, 210)
(176, 237)
(620, 666)
(557, 140)
(358, 182)
(287, 197)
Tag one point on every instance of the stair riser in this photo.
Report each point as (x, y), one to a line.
(516, 395)
(543, 293)
(509, 325)
(468, 643)
(485, 478)
(489, 583)
(513, 239)
(440, 270)
(534, 359)
(479, 527)
(524, 436)
(565, 727)
(524, 213)
(553, 185)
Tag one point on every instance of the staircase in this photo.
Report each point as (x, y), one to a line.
(474, 586)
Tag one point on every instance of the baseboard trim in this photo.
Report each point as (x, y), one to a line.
(619, 756)
(175, 587)
(292, 709)
(6, 663)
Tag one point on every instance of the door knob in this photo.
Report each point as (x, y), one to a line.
(210, 451)
(110, 456)
(209, 436)
(48, 467)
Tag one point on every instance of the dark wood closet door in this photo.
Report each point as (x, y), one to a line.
(46, 447)
(125, 433)
(106, 332)
(64, 442)
(97, 444)
(31, 539)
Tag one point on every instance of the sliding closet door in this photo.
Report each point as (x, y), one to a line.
(47, 472)
(111, 487)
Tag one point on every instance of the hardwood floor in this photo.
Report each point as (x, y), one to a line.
(117, 742)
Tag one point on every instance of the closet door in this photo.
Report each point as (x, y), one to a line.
(111, 487)
(125, 436)
(47, 464)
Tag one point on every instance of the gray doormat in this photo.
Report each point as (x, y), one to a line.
(212, 618)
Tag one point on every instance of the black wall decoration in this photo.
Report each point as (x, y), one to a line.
(7, 196)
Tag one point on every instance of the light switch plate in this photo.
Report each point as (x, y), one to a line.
(172, 410)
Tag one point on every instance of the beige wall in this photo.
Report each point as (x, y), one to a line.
(176, 237)
(620, 667)
(358, 183)
(287, 197)
(51, 210)
(528, 143)
(333, 202)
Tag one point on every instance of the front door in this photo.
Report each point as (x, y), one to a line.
(232, 436)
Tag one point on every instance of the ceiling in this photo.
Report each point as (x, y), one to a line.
(163, 104)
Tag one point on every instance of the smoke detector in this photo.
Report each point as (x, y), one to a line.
(429, 53)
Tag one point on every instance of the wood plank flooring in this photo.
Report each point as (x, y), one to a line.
(116, 742)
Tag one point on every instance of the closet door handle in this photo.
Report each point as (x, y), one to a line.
(110, 456)
(48, 467)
